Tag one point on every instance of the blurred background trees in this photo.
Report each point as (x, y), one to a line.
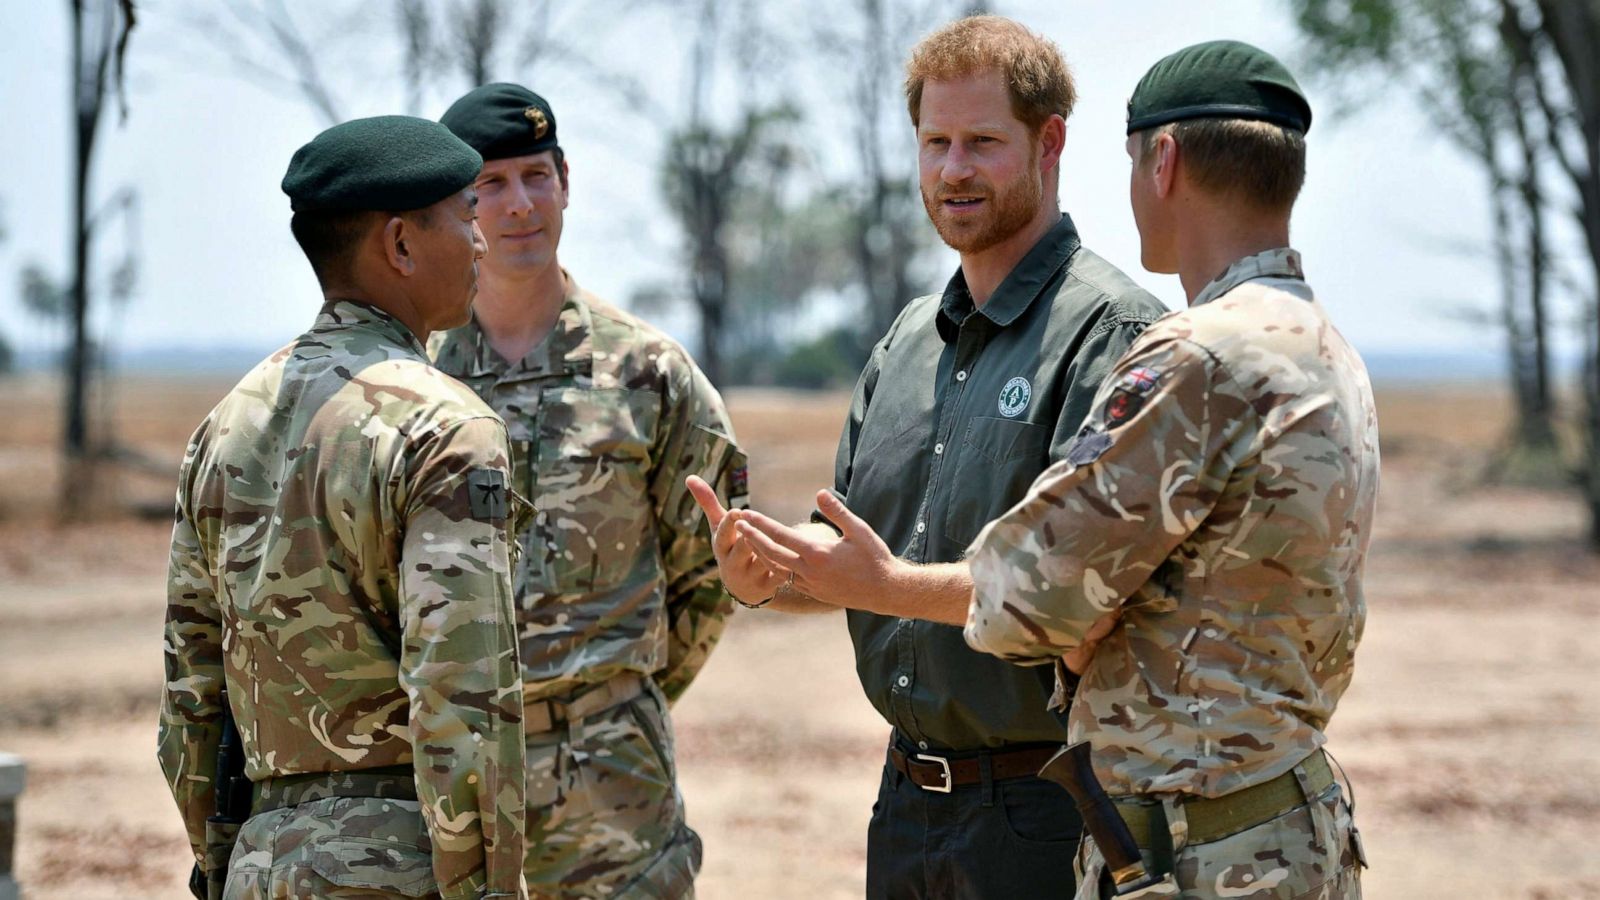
(1516, 85)
(787, 172)
(772, 233)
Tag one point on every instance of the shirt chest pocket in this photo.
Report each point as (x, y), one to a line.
(590, 480)
(1000, 458)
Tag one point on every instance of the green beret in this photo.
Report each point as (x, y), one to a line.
(503, 120)
(1218, 80)
(382, 163)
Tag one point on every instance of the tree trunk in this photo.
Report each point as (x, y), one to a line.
(88, 80)
(1592, 381)
(1572, 28)
(710, 295)
(1535, 431)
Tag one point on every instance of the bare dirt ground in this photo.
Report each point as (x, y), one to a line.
(1472, 731)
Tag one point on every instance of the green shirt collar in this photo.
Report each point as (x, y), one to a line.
(1025, 282)
(1280, 262)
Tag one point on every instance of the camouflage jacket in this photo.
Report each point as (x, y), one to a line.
(342, 558)
(1221, 496)
(606, 417)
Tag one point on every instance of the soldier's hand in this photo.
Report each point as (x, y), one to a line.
(836, 570)
(1078, 659)
(744, 574)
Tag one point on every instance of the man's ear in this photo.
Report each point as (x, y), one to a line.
(395, 235)
(1165, 165)
(566, 183)
(1052, 139)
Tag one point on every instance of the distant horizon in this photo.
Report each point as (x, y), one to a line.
(1384, 365)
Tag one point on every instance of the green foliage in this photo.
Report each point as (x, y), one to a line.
(42, 296)
(1350, 32)
(833, 360)
(1448, 51)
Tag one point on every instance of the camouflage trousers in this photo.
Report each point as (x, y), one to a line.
(1307, 852)
(339, 847)
(605, 818)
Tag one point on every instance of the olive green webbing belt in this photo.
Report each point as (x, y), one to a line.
(385, 782)
(540, 716)
(1213, 818)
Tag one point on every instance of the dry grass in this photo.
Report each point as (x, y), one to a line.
(1470, 731)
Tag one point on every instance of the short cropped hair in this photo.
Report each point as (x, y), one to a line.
(330, 237)
(1255, 162)
(1040, 83)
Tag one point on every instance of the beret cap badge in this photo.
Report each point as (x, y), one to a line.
(540, 124)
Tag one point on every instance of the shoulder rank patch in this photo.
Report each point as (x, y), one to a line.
(1088, 446)
(486, 490)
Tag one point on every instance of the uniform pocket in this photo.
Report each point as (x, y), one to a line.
(648, 711)
(358, 863)
(591, 486)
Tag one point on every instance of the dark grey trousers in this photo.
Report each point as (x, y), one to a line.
(1006, 840)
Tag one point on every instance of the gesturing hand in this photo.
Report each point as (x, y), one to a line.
(850, 570)
(744, 574)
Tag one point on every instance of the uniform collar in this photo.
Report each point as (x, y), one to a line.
(352, 314)
(567, 349)
(1022, 285)
(1280, 262)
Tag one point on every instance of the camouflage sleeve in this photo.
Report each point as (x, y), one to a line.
(1096, 357)
(190, 726)
(1167, 428)
(458, 660)
(696, 439)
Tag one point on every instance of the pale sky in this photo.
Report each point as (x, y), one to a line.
(1382, 223)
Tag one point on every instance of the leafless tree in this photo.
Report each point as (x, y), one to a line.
(100, 31)
(459, 43)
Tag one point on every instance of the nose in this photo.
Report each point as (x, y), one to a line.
(480, 246)
(957, 164)
(519, 203)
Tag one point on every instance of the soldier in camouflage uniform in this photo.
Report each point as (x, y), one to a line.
(342, 556)
(618, 598)
(1219, 501)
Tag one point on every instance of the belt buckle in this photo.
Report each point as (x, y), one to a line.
(943, 764)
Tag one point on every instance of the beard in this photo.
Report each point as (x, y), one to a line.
(1011, 207)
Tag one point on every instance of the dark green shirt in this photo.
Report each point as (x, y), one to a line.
(957, 412)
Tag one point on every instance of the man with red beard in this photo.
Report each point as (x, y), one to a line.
(971, 394)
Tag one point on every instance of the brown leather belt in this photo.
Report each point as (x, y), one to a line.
(939, 773)
(539, 716)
